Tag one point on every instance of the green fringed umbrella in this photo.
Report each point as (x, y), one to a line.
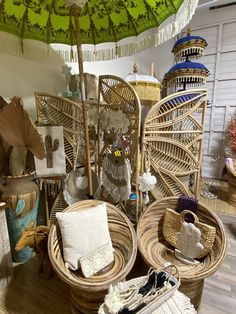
(76, 22)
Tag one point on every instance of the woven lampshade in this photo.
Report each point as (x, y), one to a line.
(190, 46)
(188, 72)
(146, 86)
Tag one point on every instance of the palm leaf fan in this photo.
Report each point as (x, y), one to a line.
(17, 128)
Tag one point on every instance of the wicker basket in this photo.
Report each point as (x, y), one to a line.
(172, 224)
(156, 251)
(153, 300)
(88, 294)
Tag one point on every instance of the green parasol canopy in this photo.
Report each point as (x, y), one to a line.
(101, 21)
(95, 22)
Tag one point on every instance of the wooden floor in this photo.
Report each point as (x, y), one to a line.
(31, 293)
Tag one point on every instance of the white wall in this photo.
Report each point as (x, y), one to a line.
(38, 70)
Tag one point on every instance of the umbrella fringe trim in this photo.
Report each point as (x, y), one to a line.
(28, 49)
(151, 38)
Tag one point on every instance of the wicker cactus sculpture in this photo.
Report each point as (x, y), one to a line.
(50, 148)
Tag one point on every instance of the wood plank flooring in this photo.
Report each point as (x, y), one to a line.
(31, 293)
(219, 294)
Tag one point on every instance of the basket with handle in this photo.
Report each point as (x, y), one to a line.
(139, 295)
(172, 224)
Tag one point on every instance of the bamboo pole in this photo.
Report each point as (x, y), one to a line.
(75, 12)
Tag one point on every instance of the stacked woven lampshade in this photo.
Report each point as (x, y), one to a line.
(187, 72)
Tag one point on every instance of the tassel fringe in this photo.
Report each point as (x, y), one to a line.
(151, 38)
(116, 179)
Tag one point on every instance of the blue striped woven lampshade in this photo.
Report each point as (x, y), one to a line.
(188, 72)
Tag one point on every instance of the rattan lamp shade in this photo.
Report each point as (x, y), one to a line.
(147, 87)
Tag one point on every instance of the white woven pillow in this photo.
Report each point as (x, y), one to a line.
(86, 239)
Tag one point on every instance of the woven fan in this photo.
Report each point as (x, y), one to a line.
(17, 128)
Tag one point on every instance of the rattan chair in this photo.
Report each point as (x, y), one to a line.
(172, 142)
(156, 251)
(88, 294)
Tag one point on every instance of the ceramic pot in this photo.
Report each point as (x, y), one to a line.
(21, 194)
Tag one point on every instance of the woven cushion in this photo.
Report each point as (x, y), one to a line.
(86, 239)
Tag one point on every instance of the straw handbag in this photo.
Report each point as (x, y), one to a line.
(144, 294)
(172, 224)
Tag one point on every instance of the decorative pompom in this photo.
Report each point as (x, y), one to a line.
(146, 182)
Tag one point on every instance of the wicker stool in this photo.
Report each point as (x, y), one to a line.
(156, 251)
(88, 294)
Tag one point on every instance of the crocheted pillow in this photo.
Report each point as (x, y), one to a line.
(86, 239)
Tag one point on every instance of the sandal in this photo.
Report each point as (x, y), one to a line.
(208, 195)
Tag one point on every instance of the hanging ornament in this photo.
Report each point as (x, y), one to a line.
(116, 177)
(146, 183)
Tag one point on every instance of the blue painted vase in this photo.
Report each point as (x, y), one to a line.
(21, 194)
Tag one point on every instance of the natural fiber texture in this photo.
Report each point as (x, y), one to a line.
(131, 294)
(119, 96)
(172, 224)
(58, 206)
(116, 177)
(149, 91)
(18, 130)
(55, 110)
(156, 251)
(172, 141)
(88, 294)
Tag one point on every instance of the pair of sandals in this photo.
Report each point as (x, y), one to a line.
(209, 190)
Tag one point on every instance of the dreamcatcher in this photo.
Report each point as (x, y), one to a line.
(119, 130)
(116, 176)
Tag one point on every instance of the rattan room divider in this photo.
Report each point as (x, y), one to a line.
(117, 95)
(172, 142)
(55, 110)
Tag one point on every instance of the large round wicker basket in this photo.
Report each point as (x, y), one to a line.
(156, 251)
(88, 294)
